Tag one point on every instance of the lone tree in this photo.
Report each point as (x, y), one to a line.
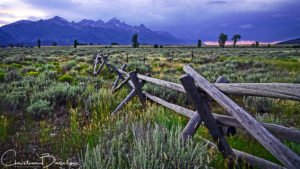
(75, 43)
(39, 43)
(134, 40)
(222, 40)
(54, 43)
(235, 38)
(199, 44)
(257, 44)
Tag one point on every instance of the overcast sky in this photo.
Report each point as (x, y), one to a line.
(263, 20)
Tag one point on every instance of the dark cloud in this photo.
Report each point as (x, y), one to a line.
(216, 3)
(254, 19)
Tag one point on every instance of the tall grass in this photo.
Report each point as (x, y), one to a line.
(145, 146)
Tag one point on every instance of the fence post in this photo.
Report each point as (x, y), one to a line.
(192, 126)
(204, 112)
(262, 135)
(137, 86)
(96, 72)
(120, 76)
(127, 99)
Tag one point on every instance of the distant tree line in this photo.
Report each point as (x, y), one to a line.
(222, 39)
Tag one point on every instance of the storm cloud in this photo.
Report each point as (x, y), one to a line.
(265, 20)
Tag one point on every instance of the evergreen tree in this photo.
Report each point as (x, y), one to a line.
(75, 43)
(222, 40)
(134, 40)
(199, 43)
(39, 43)
(235, 38)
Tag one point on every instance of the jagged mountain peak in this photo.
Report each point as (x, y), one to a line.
(58, 29)
(114, 20)
(58, 19)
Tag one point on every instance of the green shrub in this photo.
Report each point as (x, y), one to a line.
(51, 74)
(12, 101)
(59, 94)
(140, 67)
(13, 76)
(66, 78)
(2, 77)
(69, 65)
(137, 146)
(259, 104)
(40, 109)
(32, 73)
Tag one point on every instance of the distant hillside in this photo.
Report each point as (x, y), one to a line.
(5, 38)
(291, 42)
(64, 32)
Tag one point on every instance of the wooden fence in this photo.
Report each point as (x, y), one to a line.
(198, 90)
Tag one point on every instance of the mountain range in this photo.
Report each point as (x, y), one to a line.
(290, 42)
(63, 32)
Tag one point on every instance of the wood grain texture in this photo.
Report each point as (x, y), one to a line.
(281, 132)
(126, 100)
(120, 76)
(262, 135)
(192, 126)
(274, 90)
(204, 112)
(121, 85)
(137, 86)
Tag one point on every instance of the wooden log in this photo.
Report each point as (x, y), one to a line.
(192, 126)
(181, 110)
(163, 83)
(274, 90)
(104, 62)
(281, 132)
(262, 135)
(121, 85)
(209, 121)
(127, 99)
(97, 60)
(256, 161)
(253, 160)
(126, 75)
(120, 76)
(228, 130)
(99, 69)
(137, 87)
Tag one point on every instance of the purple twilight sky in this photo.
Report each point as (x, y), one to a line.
(263, 20)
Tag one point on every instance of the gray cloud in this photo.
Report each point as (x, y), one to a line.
(216, 2)
(185, 19)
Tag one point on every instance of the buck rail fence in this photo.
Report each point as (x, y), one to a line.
(199, 91)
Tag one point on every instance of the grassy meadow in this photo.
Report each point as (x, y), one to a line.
(50, 102)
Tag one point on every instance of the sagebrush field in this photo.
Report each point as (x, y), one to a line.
(50, 102)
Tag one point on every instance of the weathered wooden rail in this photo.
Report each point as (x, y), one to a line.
(198, 90)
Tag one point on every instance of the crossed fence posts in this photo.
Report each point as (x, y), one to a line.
(198, 90)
